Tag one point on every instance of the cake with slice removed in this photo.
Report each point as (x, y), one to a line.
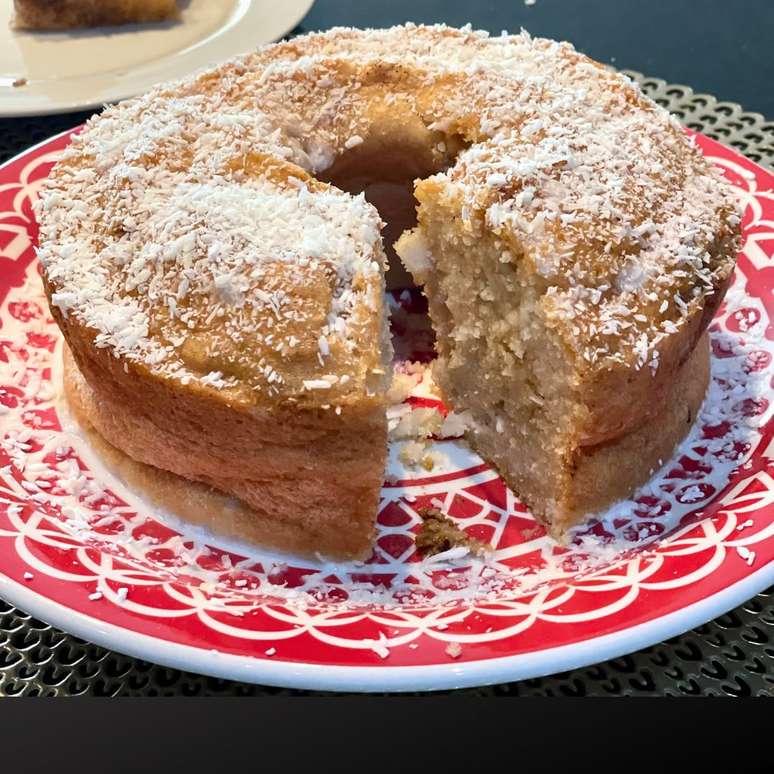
(219, 279)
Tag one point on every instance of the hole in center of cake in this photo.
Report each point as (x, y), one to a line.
(383, 167)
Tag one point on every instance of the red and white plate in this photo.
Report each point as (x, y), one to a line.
(80, 551)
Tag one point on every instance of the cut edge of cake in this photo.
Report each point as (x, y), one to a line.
(526, 394)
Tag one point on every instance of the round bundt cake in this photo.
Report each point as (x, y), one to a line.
(212, 254)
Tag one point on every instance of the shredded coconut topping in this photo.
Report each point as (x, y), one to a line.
(184, 228)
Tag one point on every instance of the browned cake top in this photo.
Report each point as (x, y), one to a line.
(184, 228)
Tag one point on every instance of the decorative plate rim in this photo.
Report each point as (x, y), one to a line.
(330, 677)
(279, 671)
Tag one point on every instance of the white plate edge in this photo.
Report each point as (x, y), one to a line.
(73, 106)
(274, 671)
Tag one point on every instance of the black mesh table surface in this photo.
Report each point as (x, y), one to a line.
(730, 656)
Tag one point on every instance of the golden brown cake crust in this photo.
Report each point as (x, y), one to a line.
(298, 488)
(66, 14)
(622, 463)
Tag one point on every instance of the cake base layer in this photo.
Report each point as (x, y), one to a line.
(284, 528)
(599, 475)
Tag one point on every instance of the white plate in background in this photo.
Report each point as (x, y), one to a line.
(56, 72)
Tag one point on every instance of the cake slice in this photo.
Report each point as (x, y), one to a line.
(546, 344)
(67, 14)
(255, 359)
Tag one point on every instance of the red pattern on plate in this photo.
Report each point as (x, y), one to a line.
(706, 523)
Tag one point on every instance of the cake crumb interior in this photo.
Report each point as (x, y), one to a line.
(484, 304)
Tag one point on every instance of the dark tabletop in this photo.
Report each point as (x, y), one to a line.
(723, 47)
(718, 47)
